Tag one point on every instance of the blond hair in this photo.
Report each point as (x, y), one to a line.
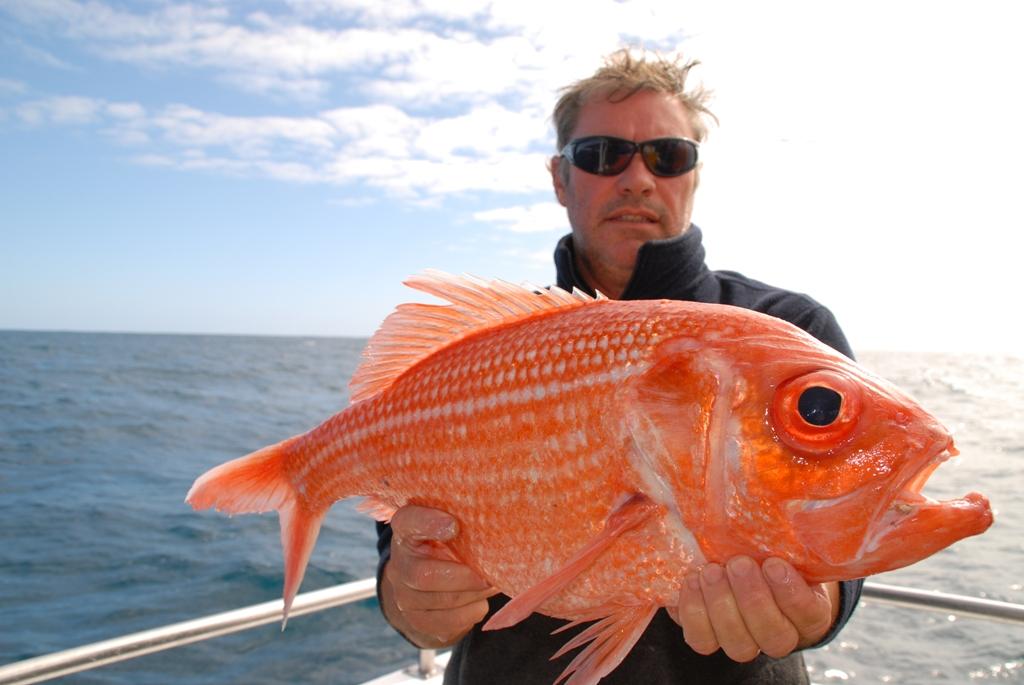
(625, 74)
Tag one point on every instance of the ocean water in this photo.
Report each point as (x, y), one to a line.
(101, 436)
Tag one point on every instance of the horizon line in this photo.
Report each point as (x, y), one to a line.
(869, 350)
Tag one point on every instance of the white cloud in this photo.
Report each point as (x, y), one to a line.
(248, 136)
(529, 258)
(440, 99)
(125, 110)
(11, 86)
(374, 130)
(486, 131)
(35, 54)
(411, 52)
(419, 178)
(361, 201)
(452, 13)
(463, 67)
(282, 87)
(95, 20)
(60, 110)
(379, 146)
(535, 218)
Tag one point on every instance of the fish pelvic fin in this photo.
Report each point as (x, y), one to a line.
(257, 483)
(607, 641)
(628, 515)
(377, 508)
(415, 331)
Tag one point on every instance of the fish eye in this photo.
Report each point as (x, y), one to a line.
(816, 412)
(819, 406)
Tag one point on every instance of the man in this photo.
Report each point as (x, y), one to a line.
(629, 206)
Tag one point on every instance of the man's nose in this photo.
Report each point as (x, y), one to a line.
(637, 179)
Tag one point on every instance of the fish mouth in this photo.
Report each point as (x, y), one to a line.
(869, 531)
(912, 525)
(909, 499)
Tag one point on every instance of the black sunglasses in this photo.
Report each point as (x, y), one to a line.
(609, 156)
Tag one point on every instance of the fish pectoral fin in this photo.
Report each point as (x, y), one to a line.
(610, 640)
(668, 410)
(676, 383)
(630, 514)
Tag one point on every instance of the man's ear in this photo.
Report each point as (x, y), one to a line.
(559, 177)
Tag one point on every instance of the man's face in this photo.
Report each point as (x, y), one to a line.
(612, 216)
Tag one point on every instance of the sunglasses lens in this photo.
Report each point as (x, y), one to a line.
(602, 156)
(670, 156)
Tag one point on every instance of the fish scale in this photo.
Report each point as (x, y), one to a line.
(532, 465)
(594, 452)
(550, 361)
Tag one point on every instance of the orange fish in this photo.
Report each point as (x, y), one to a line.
(594, 451)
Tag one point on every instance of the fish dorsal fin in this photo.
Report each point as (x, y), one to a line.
(415, 331)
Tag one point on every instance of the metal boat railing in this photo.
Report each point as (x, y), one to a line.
(98, 654)
(933, 600)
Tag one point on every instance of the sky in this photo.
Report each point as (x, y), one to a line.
(280, 167)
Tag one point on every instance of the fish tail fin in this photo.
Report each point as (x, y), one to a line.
(248, 485)
(300, 527)
(257, 483)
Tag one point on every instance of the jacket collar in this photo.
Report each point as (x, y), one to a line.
(672, 268)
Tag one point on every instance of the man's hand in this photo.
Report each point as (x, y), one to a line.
(426, 594)
(745, 609)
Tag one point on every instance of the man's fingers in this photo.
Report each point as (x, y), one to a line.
(428, 574)
(449, 624)
(423, 532)
(427, 592)
(412, 525)
(429, 584)
(745, 609)
(421, 562)
(809, 608)
(724, 614)
(440, 601)
(773, 632)
(436, 618)
(692, 616)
